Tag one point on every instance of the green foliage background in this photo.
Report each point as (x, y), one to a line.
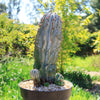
(17, 39)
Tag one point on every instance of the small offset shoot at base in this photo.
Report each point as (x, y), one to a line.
(45, 83)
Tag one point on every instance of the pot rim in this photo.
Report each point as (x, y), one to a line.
(71, 85)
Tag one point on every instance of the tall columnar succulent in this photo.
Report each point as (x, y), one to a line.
(47, 46)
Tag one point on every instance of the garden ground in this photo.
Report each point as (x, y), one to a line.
(14, 70)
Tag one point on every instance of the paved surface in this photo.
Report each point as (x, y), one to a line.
(93, 73)
(96, 87)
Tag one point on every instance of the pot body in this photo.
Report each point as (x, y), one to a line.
(45, 95)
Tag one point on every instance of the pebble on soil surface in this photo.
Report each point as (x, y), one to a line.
(52, 87)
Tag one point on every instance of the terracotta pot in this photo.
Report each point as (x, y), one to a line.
(46, 95)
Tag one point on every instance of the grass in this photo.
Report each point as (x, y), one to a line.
(97, 78)
(80, 94)
(90, 63)
(15, 70)
(12, 73)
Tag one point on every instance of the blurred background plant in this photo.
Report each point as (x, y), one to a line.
(16, 39)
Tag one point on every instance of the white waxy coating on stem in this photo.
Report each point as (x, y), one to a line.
(47, 42)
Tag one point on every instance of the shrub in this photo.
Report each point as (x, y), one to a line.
(16, 39)
(80, 79)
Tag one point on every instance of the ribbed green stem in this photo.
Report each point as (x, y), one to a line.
(47, 46)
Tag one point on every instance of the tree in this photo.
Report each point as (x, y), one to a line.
(13, 7)
(40, 7)
(73, 30)
(94, 26)
(2, 8)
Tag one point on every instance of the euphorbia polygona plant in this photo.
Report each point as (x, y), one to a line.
(47, 46)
